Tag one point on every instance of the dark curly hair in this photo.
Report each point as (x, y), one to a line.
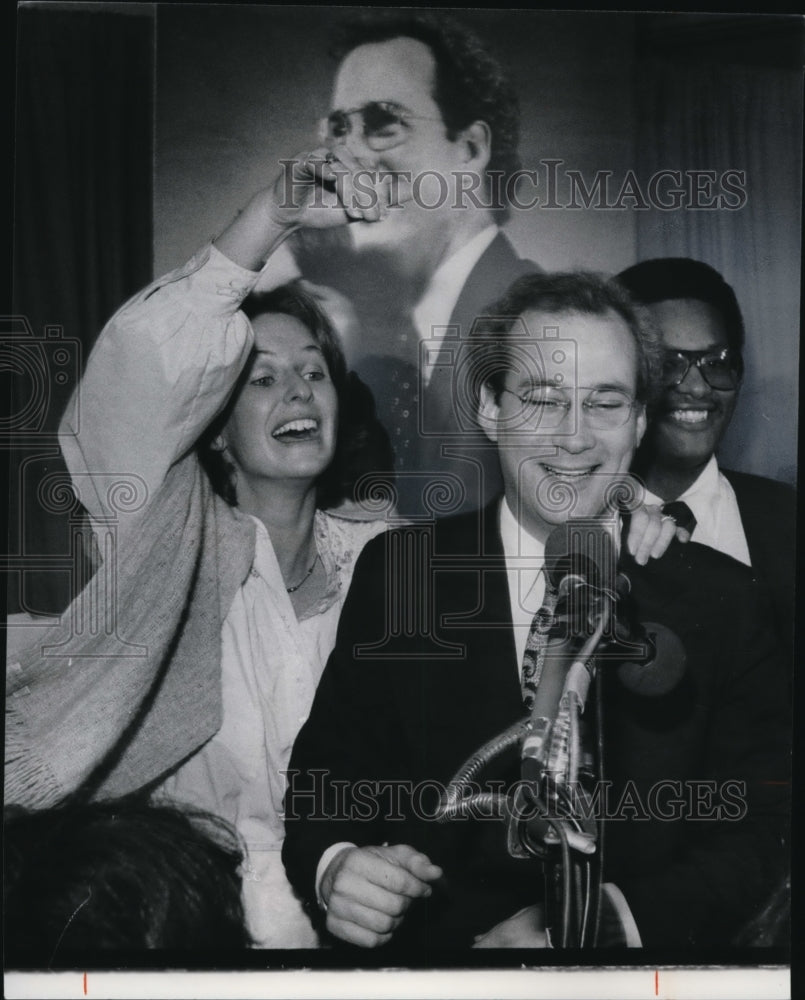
(663, 278)
(362, 444)
(470, 82)
(568, 292)
(122, 875)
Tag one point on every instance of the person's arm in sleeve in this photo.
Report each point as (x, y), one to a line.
(165, 364)
(346, 753)
(161, 370)
(731, 865)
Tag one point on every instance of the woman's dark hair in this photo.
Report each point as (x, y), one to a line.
(362, 444)
(123, 874)
(471, 84)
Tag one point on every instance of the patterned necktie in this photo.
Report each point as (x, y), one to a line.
(534, 655)
(393, 377)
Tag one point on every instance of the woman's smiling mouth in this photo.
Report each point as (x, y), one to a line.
(301, 429)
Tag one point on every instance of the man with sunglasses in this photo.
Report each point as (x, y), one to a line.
(443, 657)
(751, 518)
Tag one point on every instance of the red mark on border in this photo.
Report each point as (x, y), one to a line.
(85, 984)
(656, 982)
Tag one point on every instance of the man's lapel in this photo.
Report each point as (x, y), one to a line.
(452, 442)
(496, 269)
(486, 689)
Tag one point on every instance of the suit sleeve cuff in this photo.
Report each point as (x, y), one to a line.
(323, 864)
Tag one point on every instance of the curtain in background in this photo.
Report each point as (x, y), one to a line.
(82, 245)
(727, 95)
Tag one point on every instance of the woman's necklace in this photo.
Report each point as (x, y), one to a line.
(305, 578)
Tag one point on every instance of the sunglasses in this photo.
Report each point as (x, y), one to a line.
(383, 124)
(719, 369)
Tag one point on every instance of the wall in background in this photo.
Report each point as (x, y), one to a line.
(82, 245)
(725, 95)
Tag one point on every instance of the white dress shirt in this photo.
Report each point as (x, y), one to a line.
(431, 315)
(525, 561)
(715, 507)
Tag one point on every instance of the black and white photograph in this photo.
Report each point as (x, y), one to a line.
(401, 438)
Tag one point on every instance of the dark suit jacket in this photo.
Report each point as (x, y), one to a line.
(769, 516)
(424, 672)
(453, 443)
(432, 428)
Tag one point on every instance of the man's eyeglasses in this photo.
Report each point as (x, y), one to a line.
(720, 369)
(547, 406)
(383, 123)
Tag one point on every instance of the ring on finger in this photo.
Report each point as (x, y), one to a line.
(668, 517)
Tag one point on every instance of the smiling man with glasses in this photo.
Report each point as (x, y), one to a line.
(566, 412)
(751, 518)
(436, 657)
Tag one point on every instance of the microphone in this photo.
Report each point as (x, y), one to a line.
(548, 753)
(582, 548)
(651, 659)
(660, 667)
(581, 565)
(579, 558)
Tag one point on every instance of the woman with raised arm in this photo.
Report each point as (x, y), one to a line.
(211, 429)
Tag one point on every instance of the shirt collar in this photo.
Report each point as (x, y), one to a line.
(518, 544)
(706, 485)
(703, 488)
(436, 306)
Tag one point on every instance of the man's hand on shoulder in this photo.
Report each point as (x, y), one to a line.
(367, 891)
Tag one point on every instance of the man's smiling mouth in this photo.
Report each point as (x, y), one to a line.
(574, 474)
(689, 417)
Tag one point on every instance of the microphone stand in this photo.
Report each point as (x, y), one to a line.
(543, 820)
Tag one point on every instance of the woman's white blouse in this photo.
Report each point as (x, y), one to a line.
(271, 664)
